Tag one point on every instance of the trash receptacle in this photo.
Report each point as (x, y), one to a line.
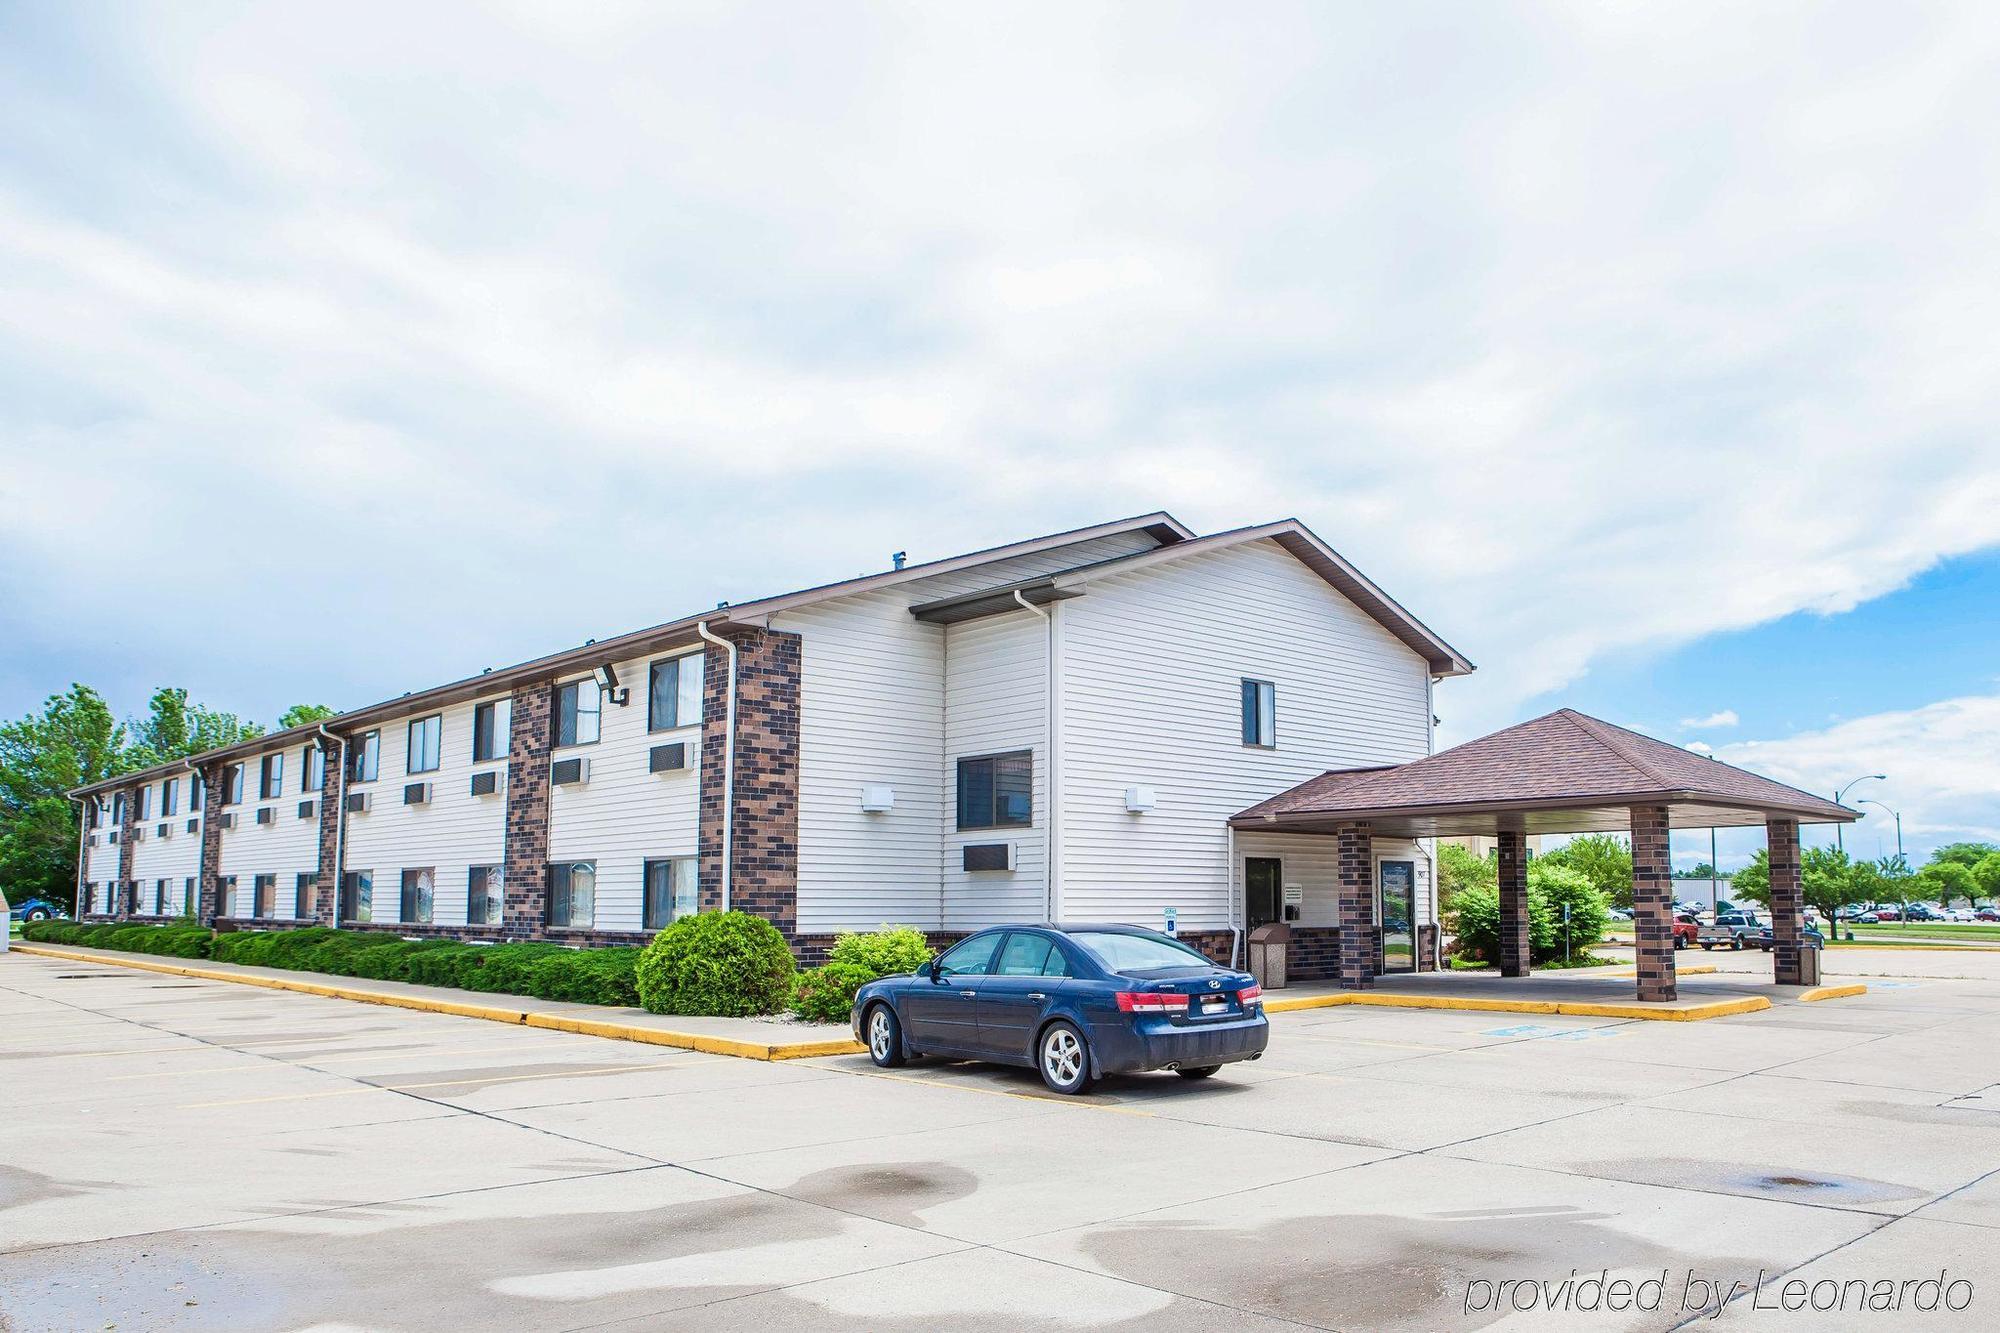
(1268, 945)
(1808, 963)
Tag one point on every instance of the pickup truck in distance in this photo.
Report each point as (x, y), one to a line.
(1732, 930)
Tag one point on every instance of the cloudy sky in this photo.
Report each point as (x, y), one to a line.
(1646, 352)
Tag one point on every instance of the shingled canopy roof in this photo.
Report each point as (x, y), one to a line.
(1562, 773)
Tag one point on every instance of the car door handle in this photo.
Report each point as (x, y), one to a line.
(968, 993)
(1036, 995)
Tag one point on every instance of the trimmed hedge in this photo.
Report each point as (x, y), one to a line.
(545, 971)
(727, 964)
(826, 994)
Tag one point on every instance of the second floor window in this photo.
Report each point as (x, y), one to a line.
(673, 693)
(996, 791)
(364, 757)
(271, 778)
(118, 810)
(144, 812)
(1260, 713)
(232, 785)
(489, 730)
(170, 797)
(576, 713)
(312, 768)
(426, 741)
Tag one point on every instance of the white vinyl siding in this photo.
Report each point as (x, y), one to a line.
(284, 847)
(100, 861)
(872, 711)
(1153, 665)
(450, 833)
(173, 857)
(996, 692)
(1313, 863)
(626, 815)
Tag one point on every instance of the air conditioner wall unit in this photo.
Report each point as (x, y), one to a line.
(164, 831)
(358, 802)
(569, 772)
(671, 758)
(981, 856)
(307, 809)
(229, 819)
(416, 793)
(266, 815)
(487, 783)
(194, 826)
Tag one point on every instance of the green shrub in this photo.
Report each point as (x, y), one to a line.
(587, 976)
(1474, 916)
(507, 969)
(174, 941)
(826, 994)
(722, 963)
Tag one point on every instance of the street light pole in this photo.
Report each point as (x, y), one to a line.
(1838, 840)
(1899, 822)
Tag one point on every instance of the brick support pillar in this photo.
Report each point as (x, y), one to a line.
(1788, 903)
(1653, 903)
(208, 890)
(764, 854)
(525, 860)
(1515, 959)
(332, 817)
(1356, 905)
(123, 893)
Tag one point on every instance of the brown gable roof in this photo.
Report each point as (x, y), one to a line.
(1562, 759)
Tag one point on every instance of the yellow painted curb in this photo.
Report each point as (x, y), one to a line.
(1292, 1003)
(1473, 1004)
(1832, 993)
(591, 1027)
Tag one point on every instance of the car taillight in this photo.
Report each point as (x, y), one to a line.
(1151, 1002)
(1249, 994)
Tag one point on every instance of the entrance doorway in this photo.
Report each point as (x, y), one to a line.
(1396, 909)
(1263, 890)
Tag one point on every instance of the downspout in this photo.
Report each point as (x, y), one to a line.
(339, 815)
(194, 782)
(728, 760)
(1050, 896)
(1229, 879)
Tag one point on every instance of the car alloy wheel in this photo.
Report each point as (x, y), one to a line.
(885, 1042)
(1065, 1059)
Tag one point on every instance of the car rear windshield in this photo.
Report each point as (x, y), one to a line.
(1137, 953)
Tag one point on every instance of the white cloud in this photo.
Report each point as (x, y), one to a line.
(1700, 748)
(439, 338)
(1723, 718)
(1942, 764)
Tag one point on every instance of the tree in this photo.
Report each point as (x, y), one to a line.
(1458, 870)
(72, 742)
(1603, 858)
(1701, 870)
(1967, 854)
(174, 729)
(1828, 880)
(1946, 880)
(1986, 874)
(298, 715)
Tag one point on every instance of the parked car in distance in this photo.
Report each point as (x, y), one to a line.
(1074, 1002)
(1619, 913)
(1986, 914)
(1687, 929)
(1922, 912)
(1767, 939)
(1731, 930)
(36, 909)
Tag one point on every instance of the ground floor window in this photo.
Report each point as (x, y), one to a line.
(573, 894)
(159, 897)
(226, 895)
(303, 894)
(187, 896)
(357, 896)
(267, 897)
(482, 896)
(671, 891)
(419, 895)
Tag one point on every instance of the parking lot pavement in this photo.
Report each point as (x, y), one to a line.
(187, 1154)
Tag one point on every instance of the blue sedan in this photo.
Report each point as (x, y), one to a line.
(1075, 1002)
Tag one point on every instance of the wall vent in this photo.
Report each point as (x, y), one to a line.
(668, 758)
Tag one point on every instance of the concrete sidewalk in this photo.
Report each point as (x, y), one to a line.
(747, 1038)
(1593, 993)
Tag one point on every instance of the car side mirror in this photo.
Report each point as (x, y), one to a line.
(936, 970)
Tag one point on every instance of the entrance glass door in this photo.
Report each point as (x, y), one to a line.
(1396, 909)
(1263, 892)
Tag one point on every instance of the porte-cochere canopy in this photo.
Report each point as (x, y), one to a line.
(1562, 773)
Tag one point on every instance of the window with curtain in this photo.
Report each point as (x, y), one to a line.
(577, 713)
(996, 791)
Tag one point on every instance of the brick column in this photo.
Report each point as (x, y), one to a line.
(1788, 904)
(332, 815)
(524, 870)
(121, 904)
(1515, 959)
(1653, 903)
(208, 897)
(764, 855)
(1356, 906)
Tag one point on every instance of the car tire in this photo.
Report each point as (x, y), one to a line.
(1199, 1071)
(37, 914)
(1063, 1057)
(1737, 944)
(885, 1036)
(1680, 943)
(1706, 945)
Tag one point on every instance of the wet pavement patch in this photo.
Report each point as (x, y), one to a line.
(1791, 1183)
(891, 1192)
